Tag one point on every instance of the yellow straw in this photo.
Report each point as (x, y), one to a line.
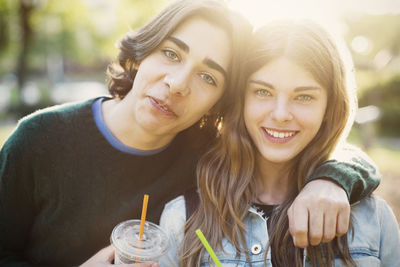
(143, 218)
(208, 247)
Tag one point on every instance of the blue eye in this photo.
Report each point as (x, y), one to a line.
(208, 78)
(304, 98)
(171, 54)
(262, 93)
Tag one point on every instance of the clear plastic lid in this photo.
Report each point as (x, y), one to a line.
(125, 238)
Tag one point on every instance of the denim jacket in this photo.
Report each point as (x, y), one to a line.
(376, 239)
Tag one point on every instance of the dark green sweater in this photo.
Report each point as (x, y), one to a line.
(63, 187)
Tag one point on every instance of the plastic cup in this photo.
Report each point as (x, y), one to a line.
(130, 249)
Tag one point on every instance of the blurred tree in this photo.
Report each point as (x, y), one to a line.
(26, 8)
(382, 31)
(42, 41)
(385, 95)
(375, 43)
(4, 30)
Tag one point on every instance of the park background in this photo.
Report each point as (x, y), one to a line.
(54, 51)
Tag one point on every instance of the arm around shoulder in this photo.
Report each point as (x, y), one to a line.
(351, 168)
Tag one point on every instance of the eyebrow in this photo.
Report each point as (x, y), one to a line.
(181, 44)
(297, 89)
(207, 61)
(214, 65)
(262, 83)
(307, 88)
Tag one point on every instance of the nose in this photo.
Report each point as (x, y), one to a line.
(281, 111)
(178, 82)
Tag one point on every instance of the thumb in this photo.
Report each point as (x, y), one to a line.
(107, 253)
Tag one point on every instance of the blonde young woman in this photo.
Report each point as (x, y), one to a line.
(294, 110)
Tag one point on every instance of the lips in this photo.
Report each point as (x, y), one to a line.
(162, 107)
(279, 136)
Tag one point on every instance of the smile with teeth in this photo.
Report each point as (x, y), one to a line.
(277, 134)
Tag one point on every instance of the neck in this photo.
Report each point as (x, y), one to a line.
(118, 117)
(272, 181)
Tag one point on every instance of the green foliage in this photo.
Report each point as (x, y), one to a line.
(382, 30)
(82, 33)
(379, 85)
(8, 35)
(385, 95)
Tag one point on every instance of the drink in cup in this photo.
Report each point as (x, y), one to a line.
(130, 249)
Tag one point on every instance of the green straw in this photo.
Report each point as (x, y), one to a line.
(208, 247)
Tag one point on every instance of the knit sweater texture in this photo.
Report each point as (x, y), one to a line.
(63, 187)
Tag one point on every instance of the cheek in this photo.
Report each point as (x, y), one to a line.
(150, 68)
(312, 119)
(248, 113)
(140, 78)
(206, 98)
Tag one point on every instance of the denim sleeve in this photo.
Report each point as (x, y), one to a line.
(353, 170)
(172, 221)
(389, 252)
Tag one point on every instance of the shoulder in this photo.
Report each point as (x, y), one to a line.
(374, 235)
(173, 217)
(174, 213)
(49, 118)
(172, 221)
(57, 112)
(48, 124)
(372, 216)
(350, 154)
(372, 204)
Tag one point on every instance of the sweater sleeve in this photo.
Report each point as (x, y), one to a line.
(353, 170)
(16, 199)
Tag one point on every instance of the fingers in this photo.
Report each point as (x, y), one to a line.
(105, 257)
(320, 212)
(102, 258)
(107, 254)
(316, 226)
(144, 264)
(343, 220)
(328, 227)
(298, 225)
(327, 221)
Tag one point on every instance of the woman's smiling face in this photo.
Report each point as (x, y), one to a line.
(284, 109)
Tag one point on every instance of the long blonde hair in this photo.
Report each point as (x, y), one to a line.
(226, 173)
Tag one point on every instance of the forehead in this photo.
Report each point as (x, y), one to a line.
(285, 73)
(205, 40)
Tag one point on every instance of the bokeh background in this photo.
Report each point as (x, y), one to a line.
(55, 51)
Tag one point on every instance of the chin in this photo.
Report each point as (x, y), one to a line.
(277, 160)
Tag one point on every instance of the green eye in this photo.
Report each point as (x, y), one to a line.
(262, 92)
(171, 55)
(304, 98)
(208, 78)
